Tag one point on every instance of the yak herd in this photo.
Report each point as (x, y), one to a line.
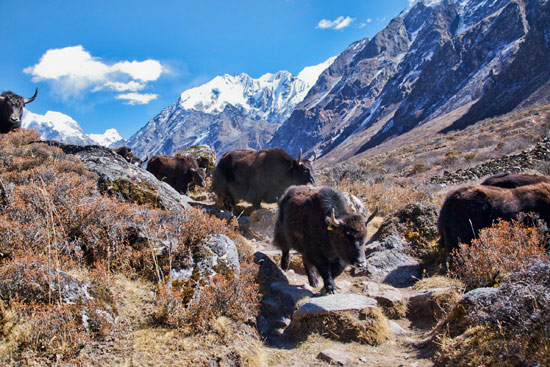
(316, 221)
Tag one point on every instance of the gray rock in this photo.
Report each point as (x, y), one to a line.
(269, 271)
(325, 305)
(391, 264)
(425, 304)
(220, 254)
(262, 223)
(333, 356)
(112, 167)
(355, 204)
(288, 295)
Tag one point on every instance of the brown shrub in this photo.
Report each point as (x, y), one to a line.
(502, 249)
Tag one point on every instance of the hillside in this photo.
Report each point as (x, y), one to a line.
(441, 63)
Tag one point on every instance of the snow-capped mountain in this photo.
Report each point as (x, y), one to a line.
(58, 126)
(228, 112)
(465, 59)
(108, 138)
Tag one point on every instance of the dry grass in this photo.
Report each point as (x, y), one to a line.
(438, 281)
(53, 218)
(500, 250)
(370, 327)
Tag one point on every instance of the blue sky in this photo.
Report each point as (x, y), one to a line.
(118, 63)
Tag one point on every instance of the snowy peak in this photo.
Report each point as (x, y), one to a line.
(58, 126)
(108, 138)
(271, 97)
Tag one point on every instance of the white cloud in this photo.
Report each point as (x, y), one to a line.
(137, 98)
(121, 87)
(339, 23)
(73, 71)
(146, 71)
(369, 20)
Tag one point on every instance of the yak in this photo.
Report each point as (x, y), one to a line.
(513, 180)
(179, 172)
(316, 222)
(469, 209)
(126, 152)
(257, 176)
(11, 110)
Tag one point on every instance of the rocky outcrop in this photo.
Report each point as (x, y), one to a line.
(124, 180)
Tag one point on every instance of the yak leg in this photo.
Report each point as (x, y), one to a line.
(285, 260)
(310, 271)
(325, 270)
(337, 268)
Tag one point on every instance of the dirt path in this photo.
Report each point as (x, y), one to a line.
(406, 349)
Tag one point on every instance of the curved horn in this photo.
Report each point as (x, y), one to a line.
(300, 155)
(2, 98)
(333, 219)
(29, 100)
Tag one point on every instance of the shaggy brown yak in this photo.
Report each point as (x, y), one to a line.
(468, 209)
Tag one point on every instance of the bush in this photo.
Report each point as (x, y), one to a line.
(500, 250)
(512, 330)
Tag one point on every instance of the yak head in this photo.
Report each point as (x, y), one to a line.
(349, 237)
(199, 176)
(302, 171)
(11, 110)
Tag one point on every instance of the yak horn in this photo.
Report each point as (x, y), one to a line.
(29, 100)
(300, 155)
(2, 99)
(333, 219)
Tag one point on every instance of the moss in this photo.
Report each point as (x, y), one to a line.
(141, 193)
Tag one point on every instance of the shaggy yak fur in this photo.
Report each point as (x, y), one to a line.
(513, 180)
(257, 176)
(126, 152)
(178, 172)
(316, 222)
(11, 110)
(471, 208)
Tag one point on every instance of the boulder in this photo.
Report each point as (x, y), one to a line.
(388, 298)
(343, 317)
(355, 204)
(431, 304)
(204, 154)
(418, 218)
(326, 305)
(124, 180)
(262, 223)
(218, 255)
(389, 262)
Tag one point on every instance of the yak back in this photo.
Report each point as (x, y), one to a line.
(468, 209)
(256, 176)
(178, 172)
(513, 180)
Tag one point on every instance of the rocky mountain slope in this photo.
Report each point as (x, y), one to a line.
(431, 60)
(229, 112)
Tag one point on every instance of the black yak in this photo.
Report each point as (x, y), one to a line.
(257, 176)
(316, 222)
(178, 172)
(512, 180)
(468, 209)
(11, 110)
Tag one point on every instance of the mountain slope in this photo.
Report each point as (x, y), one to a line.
(434, 58)
(228, 112)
